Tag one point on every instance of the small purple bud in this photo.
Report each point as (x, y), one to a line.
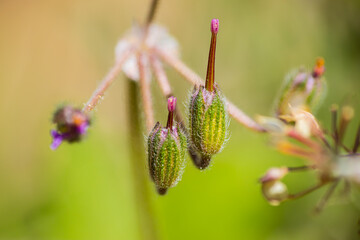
(71, 125)
(215, 25)
(171, 108)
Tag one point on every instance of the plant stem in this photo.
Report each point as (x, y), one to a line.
(160, 76)
(307, 191)
(326, 197)
(105, 83)
(195, 79)
(301, 168)
(145, 211)
(335, 133)
(145, 92)
(152, 11)
(165, 87)
(357, 140)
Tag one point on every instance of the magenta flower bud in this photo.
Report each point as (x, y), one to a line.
(171, 104)
(215, 25)
(274, 174)
(71, 126)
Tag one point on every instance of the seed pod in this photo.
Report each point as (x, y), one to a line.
(208, 123)
(71, 125)
(303, 90)
(166, 152)
(207, 112)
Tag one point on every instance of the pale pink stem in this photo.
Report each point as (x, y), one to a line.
(195, 79)
(180, 67)
(106, 82)
(145, 92)
(242, 118)
(161, 76)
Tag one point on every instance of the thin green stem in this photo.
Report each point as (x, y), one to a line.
(146, 213)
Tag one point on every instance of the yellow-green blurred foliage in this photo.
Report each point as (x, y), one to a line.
(57, 51)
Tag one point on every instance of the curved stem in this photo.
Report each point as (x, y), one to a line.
(105, 83)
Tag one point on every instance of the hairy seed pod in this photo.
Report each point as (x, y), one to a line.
(208, 123)
(302, 90)
(166, 152)
(207, 111)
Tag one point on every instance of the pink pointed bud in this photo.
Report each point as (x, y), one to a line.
(171, 104)
(215, 25)
(171, 108)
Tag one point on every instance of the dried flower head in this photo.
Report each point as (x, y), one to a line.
(166, 152)
(71, 125)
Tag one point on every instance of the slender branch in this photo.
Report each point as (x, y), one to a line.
(327, 196)
(163, 82)
(242, 118)
(357, 140)
(152, 11)
(301, 168)
(180, 67)
(335, 133)
(195, 79)
(306, 141)
(145, 92)
(144, 204)
(347, 113)
(307, 191)
(160, 76)
(106, 82)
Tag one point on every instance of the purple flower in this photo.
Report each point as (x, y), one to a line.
(71, 126)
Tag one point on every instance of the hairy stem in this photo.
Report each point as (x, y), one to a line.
(160, 76)
(195, 79)
(145, 92)
(105, 83)
(165, 87)
(146, 213)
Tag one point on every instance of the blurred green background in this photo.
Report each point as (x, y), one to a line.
(56, 51)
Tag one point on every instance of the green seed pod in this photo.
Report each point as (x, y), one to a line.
(303, 90)
(166, 152)
(208, 123)
(207, 111)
